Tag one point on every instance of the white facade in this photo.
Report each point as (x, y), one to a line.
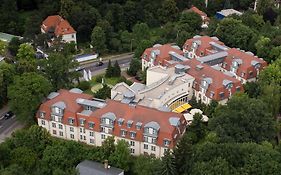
(90, 137)
(68, 38)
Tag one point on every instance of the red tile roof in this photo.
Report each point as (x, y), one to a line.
(217, 77)
(199, 12)
(205, 48)
(69, 98)
(247, 59)
(135, 113)
(164, 53)
(60, 25)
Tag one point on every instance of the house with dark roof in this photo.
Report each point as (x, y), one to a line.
(72, 115)
(88, 167)
(59, 27)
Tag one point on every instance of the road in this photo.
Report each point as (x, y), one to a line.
(7, 126)
(124, 62)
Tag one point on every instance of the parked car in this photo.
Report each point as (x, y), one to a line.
(99, 64)
(8, 115)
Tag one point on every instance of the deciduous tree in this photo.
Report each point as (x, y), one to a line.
(26, 94)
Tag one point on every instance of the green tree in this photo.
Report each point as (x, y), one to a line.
(135, 66)
(7, 72)
(193, 20)
(144, 44)
(168, 11)
(213, 167)
(126, 41)
(24, 157)
(104, 92)
(263, 5)
(98, 39)
(167, 166)
(263, 46)
(121, 157)
(274, 54)
(252, 89)
(59, 70)
(25, 59)
(116, 69)
(3, 48)
(145, 165)
(243, 120)
(66, 7)
(107, 148)
(183, 154)
(272, 74)
(26, 94)
(13, 46)
(197, 127)
(109, 70)
(25, 52)
(235, 34)
(141, 32)
(62, 155)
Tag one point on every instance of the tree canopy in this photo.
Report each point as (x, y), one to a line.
(26, 94)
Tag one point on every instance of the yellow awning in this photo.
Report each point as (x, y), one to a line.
(182, 108)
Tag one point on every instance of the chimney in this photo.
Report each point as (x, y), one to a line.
(106, 164)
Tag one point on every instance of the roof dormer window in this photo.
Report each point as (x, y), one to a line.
(129, 123)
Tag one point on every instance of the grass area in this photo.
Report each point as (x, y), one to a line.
(95, 83)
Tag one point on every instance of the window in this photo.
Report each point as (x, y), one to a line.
(153, 148)
(145, 138)
(212, 94)
(167, 142)
(92, 141)
(238, 89)
(81, 137)
(251, 73)
(61, 133)
(145, 146)
(72, 36)
(91, 125)
(123, 133)
(132, 135)
(129, 124)
(132, 151)
(71, 129)
(82, 122)
(43, 122)
(81, 130)
(222, 95)
(102, 136)
(72, 136)
(138, 125)
(53, 125)
(88, 108)
(153, 140)
(60, 126)
(132, 143)
(70, 121)
(60, 119)
(84, 137)
(120, 122)
(54, 132)
(42, 114)
(102, 129)
(91, 133)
